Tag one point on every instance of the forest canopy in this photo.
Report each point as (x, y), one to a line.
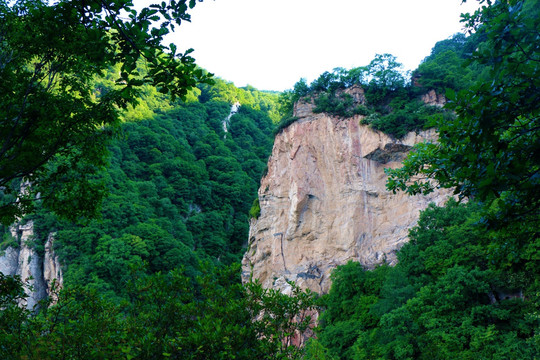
(391, 99)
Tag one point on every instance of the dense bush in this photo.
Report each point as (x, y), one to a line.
(341, 105)
(406, 116)
(445, 299)
(255, 210)
(449, 65)
(168, 316)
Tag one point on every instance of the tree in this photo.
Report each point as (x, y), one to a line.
(173, 316)
(446, 66)
(386, 76)
(385, 72)
(54, 121)
(491, 152)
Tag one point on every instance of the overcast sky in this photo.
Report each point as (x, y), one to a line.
(271, 44)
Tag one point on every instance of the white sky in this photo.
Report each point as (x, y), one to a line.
(271, 44)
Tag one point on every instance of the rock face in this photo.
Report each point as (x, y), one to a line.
(324, 202)
(36, 271)
(52, 271)
(434, 99)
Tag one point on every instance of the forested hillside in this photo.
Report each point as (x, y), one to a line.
(179, 189)
(446, 298)
(158, 263)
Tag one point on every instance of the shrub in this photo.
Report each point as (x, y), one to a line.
(255, 210)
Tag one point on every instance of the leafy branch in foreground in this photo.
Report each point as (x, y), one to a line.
(490, 152)
(51, 117)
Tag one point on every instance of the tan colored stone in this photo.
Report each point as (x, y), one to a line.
(324, 202)
(36, 272)
(432, 98)
(52, 271)
(29, 266)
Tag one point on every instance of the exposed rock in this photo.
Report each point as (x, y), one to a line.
(390, 152)
(357, 93)
(29, 265)
(35, 271)
(324, 202)
(52, 271)
(225, 123)
(303, 108)
(9, 261)
(432, 98)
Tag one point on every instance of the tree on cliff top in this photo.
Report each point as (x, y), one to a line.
(54, 124)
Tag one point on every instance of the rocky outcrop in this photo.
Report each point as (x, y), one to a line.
(434, 99)
(324, 202)
(52, 271)
(36, 271)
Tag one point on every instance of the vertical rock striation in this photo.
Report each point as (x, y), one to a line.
(37, 271)
(324, 202)
(52, 271)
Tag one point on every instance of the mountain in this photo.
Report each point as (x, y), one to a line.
(323, 200)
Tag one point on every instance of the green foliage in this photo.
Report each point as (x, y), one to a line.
(385, 76)
(54, 126)
(383, 95)
(407, 115)
(284, 123)
(12, 316)
(281, 318)
(354, 290)
(288, 98)
(341, 105)
(179, 191)
(449, 65)
(247, 96)
(170, 315)
(490, 151)
(7, 240)
(444, 299)
(315, 351)
(255, 210)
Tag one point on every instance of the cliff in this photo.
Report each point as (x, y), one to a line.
(324, 202)
(36, 270)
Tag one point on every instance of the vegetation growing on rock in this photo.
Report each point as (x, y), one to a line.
(392, 101)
